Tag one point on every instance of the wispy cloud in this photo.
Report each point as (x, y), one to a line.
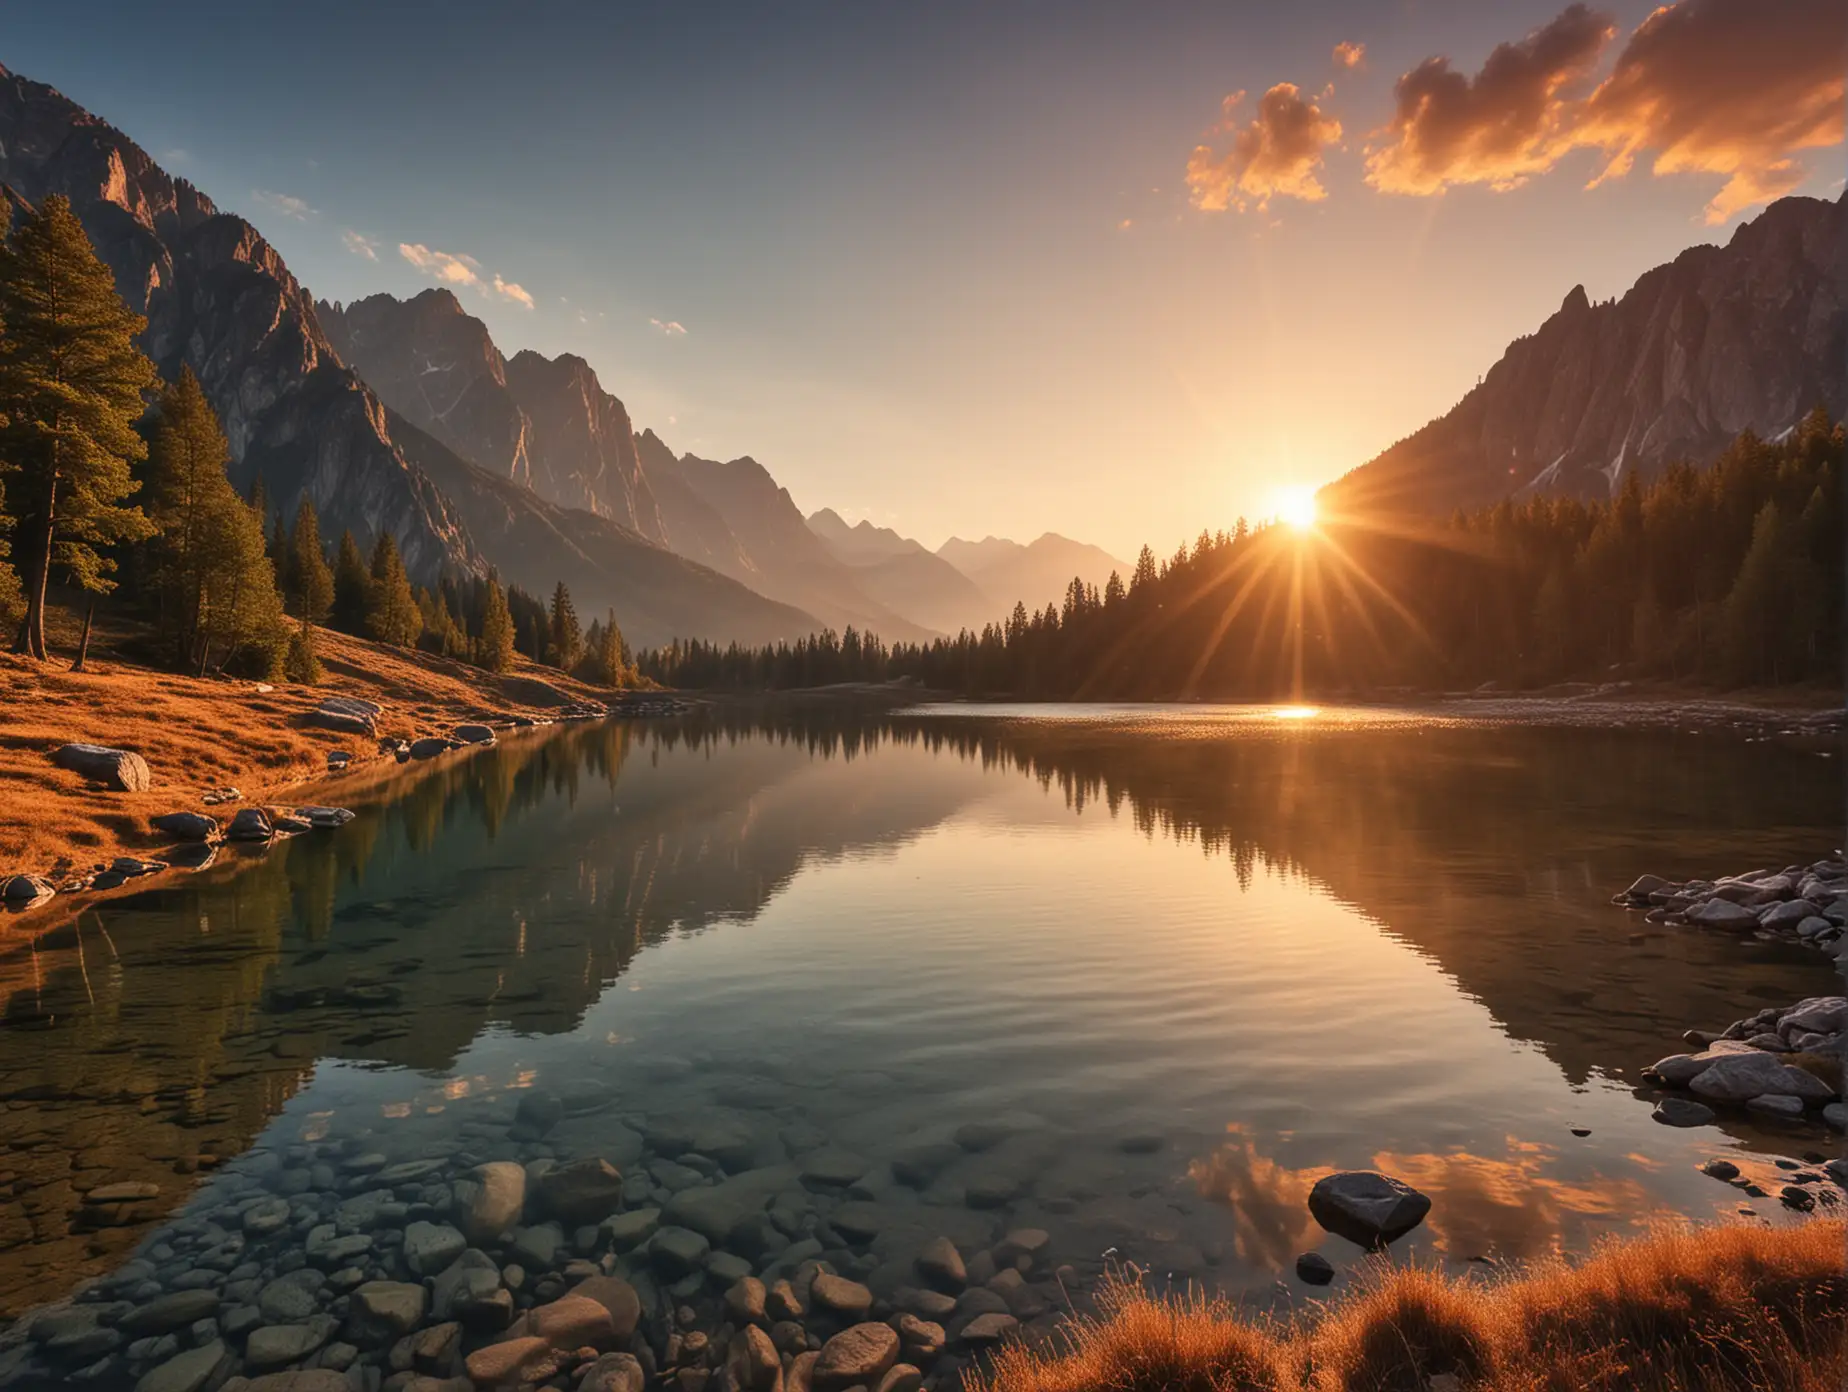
(445, 266)
(1349, 55)
(359, 245)
(673, 328)
(282, 204)
(176, 155)
(508, 290)
(1276, 154)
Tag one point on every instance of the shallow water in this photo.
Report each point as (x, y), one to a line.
(1178, 963)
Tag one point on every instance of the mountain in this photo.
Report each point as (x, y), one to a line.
(903, 575)
(218, 298)
(657, 595)
(1035, 575)
(691, 526)
(787, 560)
(1748, 336)
(545, 423)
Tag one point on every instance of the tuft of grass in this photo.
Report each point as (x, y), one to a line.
(1727, 1308)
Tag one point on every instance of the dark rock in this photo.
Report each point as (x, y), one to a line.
(856, 1357)
(580, 1191)
(941, 1266)
(250, 824)
(1366, 1207)
(1314, 1269)
(1680, 1111)
(187, 826)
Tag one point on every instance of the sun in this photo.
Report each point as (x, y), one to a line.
(1295, 507)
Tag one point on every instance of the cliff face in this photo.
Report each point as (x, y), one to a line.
(584, 443)
(219, 300)
(1748, 336)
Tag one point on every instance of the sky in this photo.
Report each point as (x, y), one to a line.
(1118, 270)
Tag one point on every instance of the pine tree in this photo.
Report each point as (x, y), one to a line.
(567, 639)
(11, 598)
(495, 647)
(391, 612)
(71, 389)
(352, 587)
(300, 664)
(609, 655)
(313, 593)
(214, 580)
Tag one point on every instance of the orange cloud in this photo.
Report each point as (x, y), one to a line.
(1727, 87)
(1275, 155)
(1349, 55)
(1512, 120)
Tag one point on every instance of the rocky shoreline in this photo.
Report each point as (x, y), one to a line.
(1798, 903)
(196, 836)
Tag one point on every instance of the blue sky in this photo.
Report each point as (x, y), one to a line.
(936, 265)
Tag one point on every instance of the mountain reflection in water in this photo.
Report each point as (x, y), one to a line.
(943, 918)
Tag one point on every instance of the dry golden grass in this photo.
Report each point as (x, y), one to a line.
(203, 733)
(1718, 1309)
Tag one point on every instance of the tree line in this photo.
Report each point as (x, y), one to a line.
(1726, 575)
(104, 489)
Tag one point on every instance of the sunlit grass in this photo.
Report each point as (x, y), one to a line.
(1686, 1310)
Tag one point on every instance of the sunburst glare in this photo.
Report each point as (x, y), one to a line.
(1295, 507)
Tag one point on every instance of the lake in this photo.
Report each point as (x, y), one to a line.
(1133, 977)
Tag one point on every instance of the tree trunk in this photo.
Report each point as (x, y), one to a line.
(31, 639)
(83, 643)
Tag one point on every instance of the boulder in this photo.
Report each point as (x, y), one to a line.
(490, 1200)
(841, 1296)
(631, 1229)
(1644, 886)
(579, 1191)
(166, 1313)
(1315, 1269)
(382, 1311)
(327, 818)
(431, 1247)
(473, 734)
(187, 826)
(24, 891)
(856, 1357)
(469, 1290)
(752, 1363)
(121, 769)
(1818, 1014)
(714, 1210)
(678, 1252)
(1723, 913)
(512, 1362)
(1784, 917)
(985, 1330)
(941, 1266)
(251, 824)
(1743, 1076)
(1777, 1105)
(1366, 1207)
(346, 714)
(430, 746)
(613, 1372)
(1682, 1111)
(570, 1322)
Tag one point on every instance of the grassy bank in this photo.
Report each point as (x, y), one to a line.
(203, 733)
(1703, 1310)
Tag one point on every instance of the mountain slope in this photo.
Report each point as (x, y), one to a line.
(220, 300)
(1748, 336)
(902, 575)
(1035, 575)
(790, 562)
(657, 595)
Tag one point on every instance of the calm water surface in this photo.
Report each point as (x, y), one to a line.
(1184, 962)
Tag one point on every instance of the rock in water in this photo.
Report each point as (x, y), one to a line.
(121, 769)
(490, 1201)
(856, 1357)
(1680, 1111)
(1743, 1076)
(251, 824)
(1367, 1207)
(473, 734)
(1721, 913)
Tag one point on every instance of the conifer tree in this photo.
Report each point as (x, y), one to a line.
(495, 647)
(300, 664)
(352, 587)
(11, 602)
(608, 656)
(567, 639)
(216, 588)
(71, 389)
(391, 612)
(313, 592)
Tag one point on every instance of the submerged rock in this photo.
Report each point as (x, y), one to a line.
(1681, 1111)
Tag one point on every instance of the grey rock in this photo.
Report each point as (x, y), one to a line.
(250, 824)
(715, 1210)
(1741, 1077)
(187, 826)
(1682, 1111)
(941, 1266)
(1724, 914)
(1777, 1105)
(581, 1191)
(536, 1248)
(490, 1200)
(473, 734)
(1315, 1269)
(677, 1252)
(276, 1345)
(166, 1313)
(120, 769)
(430, 1247)
(189, 1371)
(1366, 1207)
(292, 1298)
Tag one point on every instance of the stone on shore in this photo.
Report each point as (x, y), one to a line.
(24, 891)
(250, 824)
(430, 746)
(1682, 1111)
(187, 826)
(1741, 1077)
(188, 1371)
(120, 769)
(1723, 913)
(1366, 1207)
(347, 715)
(473, 734)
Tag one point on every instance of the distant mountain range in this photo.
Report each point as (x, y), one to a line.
(1748, 336)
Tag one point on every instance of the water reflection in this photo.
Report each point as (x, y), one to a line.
(498, 897)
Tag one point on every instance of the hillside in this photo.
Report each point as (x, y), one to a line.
(1036, 574)
(1748, 336)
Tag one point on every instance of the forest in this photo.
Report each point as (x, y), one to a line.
(1729, 575)
(113, 481)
